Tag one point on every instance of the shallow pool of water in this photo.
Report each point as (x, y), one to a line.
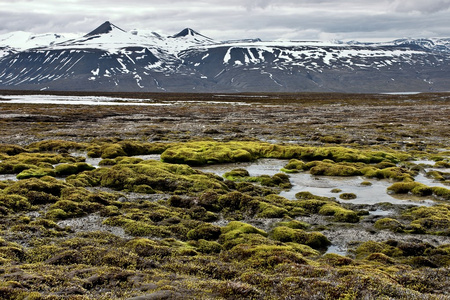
(429, 181)
(8, 177)
(265, 166)
(335, 249)
(322, 185)
(94, 161)
(366, 194)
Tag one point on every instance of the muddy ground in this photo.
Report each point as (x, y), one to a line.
(417, 121)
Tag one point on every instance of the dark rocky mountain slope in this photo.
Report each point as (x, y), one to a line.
(111, 59)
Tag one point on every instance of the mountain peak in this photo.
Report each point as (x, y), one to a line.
(106, 27)
(188, 32)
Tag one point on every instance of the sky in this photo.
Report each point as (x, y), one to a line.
(362, 20)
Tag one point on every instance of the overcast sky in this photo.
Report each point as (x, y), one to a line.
(362, 20)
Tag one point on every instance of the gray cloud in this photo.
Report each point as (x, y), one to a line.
(267, 19)
(426, 7)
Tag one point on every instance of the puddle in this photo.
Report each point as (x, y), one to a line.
(76, 100)
(372, 194)
(104, 100)
(429, 181)
(380, 212)
(424, 162)
(149, 156)
(335, 249)
(322, 185)
(265, 166)
(8, 177)
(94, 161)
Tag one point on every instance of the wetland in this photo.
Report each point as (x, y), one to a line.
(205, 196)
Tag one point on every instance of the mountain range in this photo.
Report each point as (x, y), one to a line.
(112, 59)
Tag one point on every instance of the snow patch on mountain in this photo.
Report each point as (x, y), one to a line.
(21, 40)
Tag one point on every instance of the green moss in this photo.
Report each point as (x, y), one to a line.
(331, 139)
(201, 214)
(11, 149)
(56, 214)
(148, 248)
(309, 196)
(128, 160)
(336, 260)
(161, 177)
(138, 228)
(391, 224)
(15, 202)
(442, 164)
(200, 153)
(107, 162)
(234, 201)
(94, 151)
(278, 180)
(70, 208)
(281, 180)
(236, 173)
(419, 189)
(36, 173)
(236, 229)
(34, 161)
(267, 210)
(347, 196)
(332, 169)
(294, 166)
(112, 151)
(441, 192)
(143, 189)
(404, 187)
(394, 173)
(205, 231)
(56, 146)
(435, 219)
(294, 224)
(14, 167)
(380, 258)
(312, 206)
(66, 169)
(313, 239)
(12, 252)
(370, 247)
(207, 247)
(69, 169)
(48, 185)
(340, 214)
(436, 175)
(266, 256)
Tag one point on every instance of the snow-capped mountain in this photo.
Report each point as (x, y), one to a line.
(110, 58)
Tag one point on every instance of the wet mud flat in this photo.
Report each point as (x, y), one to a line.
(407, 120)
(210, 196)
